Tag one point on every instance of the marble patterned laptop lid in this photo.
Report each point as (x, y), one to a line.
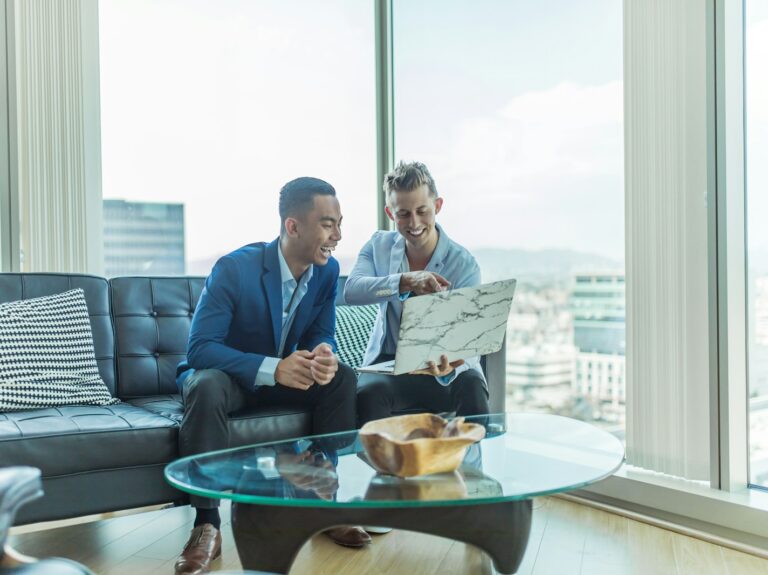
(459, 323)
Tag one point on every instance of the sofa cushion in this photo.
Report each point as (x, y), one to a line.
(46, 354)
(248, 426)
(17, 286)
(353, 329)
(152, 318)
(69, 440)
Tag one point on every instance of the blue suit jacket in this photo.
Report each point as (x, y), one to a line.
(238, 320)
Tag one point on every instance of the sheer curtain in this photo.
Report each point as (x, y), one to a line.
(55, 57)
(666, 224)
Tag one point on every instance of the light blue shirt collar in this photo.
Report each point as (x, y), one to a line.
(285, 272)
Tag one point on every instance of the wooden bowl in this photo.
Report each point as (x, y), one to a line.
(420, 444)
(439, 487)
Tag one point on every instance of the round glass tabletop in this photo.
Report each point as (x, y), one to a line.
(523, 455)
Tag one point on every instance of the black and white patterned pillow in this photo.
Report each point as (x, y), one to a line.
(353, 328)
(46, 354)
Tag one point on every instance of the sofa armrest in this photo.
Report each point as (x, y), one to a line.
(496, 375)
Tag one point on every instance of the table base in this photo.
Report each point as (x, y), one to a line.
(269, 537)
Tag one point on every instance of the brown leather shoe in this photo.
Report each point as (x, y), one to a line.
(349, 536)
(203, 547)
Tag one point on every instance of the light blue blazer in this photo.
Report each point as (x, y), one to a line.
(376, 279)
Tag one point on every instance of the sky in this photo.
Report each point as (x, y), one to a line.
(223, 101)
(756, 104)
(515, 105)
(517, 108)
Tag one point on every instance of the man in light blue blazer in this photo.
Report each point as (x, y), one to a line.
(418, 258)
(263, 334)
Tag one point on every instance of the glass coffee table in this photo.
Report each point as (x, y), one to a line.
(284, 492)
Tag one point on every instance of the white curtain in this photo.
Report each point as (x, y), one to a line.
(57, 138)
(665, 109)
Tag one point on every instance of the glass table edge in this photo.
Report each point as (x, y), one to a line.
(370, 504)
(182, 460)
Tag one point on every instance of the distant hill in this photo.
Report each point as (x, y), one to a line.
(495, 264)
(551, 264)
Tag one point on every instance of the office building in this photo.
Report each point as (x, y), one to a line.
(143, 238)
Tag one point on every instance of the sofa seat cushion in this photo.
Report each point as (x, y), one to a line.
(252, 425)
(167, 405)
(75, 439)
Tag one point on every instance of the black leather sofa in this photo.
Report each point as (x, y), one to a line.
(100, 459)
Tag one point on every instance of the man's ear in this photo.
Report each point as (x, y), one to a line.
(438, 205)
(389, 213)
(291, 227)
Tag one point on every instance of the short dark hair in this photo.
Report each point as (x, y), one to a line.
(297, 197)
(406, 177)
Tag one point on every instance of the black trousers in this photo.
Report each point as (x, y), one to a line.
(380, 395)
(210, 395)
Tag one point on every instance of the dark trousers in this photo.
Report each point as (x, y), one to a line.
(380, 395)
(210, 395)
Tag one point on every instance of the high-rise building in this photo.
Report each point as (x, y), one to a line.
(599, 332)
(760, 311)
(599, 313)
(540, 376)
(540, 351)
(143, 238)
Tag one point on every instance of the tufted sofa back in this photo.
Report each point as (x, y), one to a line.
(139, 344)
(16, 286)
(152, 316)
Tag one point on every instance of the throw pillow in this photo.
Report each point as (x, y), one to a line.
(353, 328)
(46, 354)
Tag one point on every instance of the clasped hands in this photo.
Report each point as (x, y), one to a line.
(302, 369)
(308, 472)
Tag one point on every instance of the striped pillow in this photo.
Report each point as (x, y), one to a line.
(46, 354)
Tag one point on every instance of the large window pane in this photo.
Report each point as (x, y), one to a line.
(756, 72)
(210, 106)
(516, 107)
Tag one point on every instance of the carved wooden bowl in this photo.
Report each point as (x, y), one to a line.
(420, 444)
(433, 488)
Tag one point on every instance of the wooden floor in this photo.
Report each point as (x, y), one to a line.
(566, 538)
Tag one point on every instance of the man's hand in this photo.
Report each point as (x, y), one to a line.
(423, 282)
(324, 364)
(296, 370)
(444, 368)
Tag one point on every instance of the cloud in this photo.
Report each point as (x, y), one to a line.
(545, 169)
(757, 133)
(566, 131)
(756, 76)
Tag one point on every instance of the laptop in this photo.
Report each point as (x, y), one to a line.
(458, 323)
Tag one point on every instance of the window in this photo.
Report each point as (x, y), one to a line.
(756, 90)
(518, 114)
(209, 107)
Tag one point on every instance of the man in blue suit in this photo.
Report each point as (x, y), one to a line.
(262, 335)
(418, 258)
